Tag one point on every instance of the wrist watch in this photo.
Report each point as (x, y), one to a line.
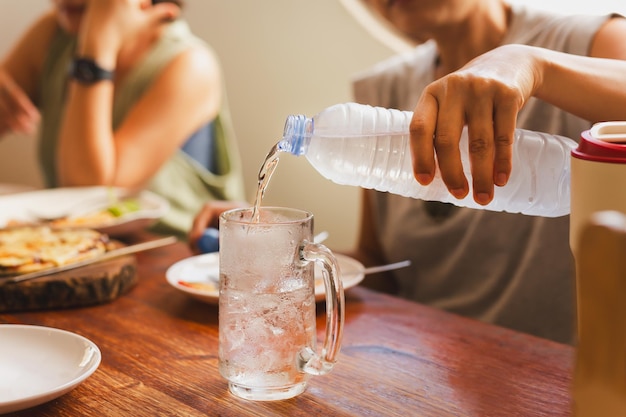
(86, 71)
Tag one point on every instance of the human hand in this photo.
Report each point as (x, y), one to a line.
(17, 113)
(110, 24)
(486, 95)
(209, 217)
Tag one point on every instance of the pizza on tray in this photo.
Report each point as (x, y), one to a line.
(35, 248)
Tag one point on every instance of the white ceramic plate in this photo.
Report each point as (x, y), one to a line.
(39, 364)
(76, 201)
(198, 276)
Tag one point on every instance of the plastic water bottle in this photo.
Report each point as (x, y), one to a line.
(360, 145)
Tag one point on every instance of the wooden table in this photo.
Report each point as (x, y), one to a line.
(159, 358)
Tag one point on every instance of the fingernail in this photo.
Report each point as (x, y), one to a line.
(482, 198)
(423, 179)
(458, 193)
(501, 179)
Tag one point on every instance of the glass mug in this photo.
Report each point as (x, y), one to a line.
(267, 334)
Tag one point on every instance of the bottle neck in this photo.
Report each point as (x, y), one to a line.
(296, 135)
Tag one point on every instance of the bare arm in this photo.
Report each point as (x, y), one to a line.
(19, 75)
(593, 89)
(185, 96)
(489, 91)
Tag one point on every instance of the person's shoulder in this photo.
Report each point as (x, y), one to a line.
(198, 60)
(34, 45)
(190, 50)
(189, 65)
(608, 41)
(534, 26)
(200, 64)
(44, 28)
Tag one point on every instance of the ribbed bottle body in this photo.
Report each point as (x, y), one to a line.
(368, 146)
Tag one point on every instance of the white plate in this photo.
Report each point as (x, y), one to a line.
(39, 364)
(198, 276)
(56, 202)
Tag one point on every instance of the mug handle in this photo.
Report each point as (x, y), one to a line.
(309, 360)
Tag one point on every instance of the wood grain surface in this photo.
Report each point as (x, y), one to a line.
(159, 358)
(91, 284)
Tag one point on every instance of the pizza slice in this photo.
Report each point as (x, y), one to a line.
(34, 248)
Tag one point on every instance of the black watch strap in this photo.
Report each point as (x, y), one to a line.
(86, 71)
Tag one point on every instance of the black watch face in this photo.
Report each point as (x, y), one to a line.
(85, 71)
(88, 72)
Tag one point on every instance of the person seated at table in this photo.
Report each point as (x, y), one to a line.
(142, 105)
(509, 269)
(471, 69)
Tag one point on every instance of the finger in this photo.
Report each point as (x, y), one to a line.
(26, 124)
(504, 132)
(18, 122)
(4, 130)
(25, 106)
(16, 105)
(450, 123)
(422, 130)
(24, 120)
(203, 219)
(209, 217)
(12, 121)
(481, 149)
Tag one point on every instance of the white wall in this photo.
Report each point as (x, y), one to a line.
(279, 57)
(282, 57)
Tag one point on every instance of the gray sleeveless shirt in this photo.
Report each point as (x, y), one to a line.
(509, 269)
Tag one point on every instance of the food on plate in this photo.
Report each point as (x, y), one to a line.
(89, 219)
(34, 248)
(202, 286)
(102, 216)
(123, 207)
(84, 220)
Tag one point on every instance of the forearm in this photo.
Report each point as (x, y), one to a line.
(86, 153)
(591, 88)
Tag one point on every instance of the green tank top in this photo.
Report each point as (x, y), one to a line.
(183, 182)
